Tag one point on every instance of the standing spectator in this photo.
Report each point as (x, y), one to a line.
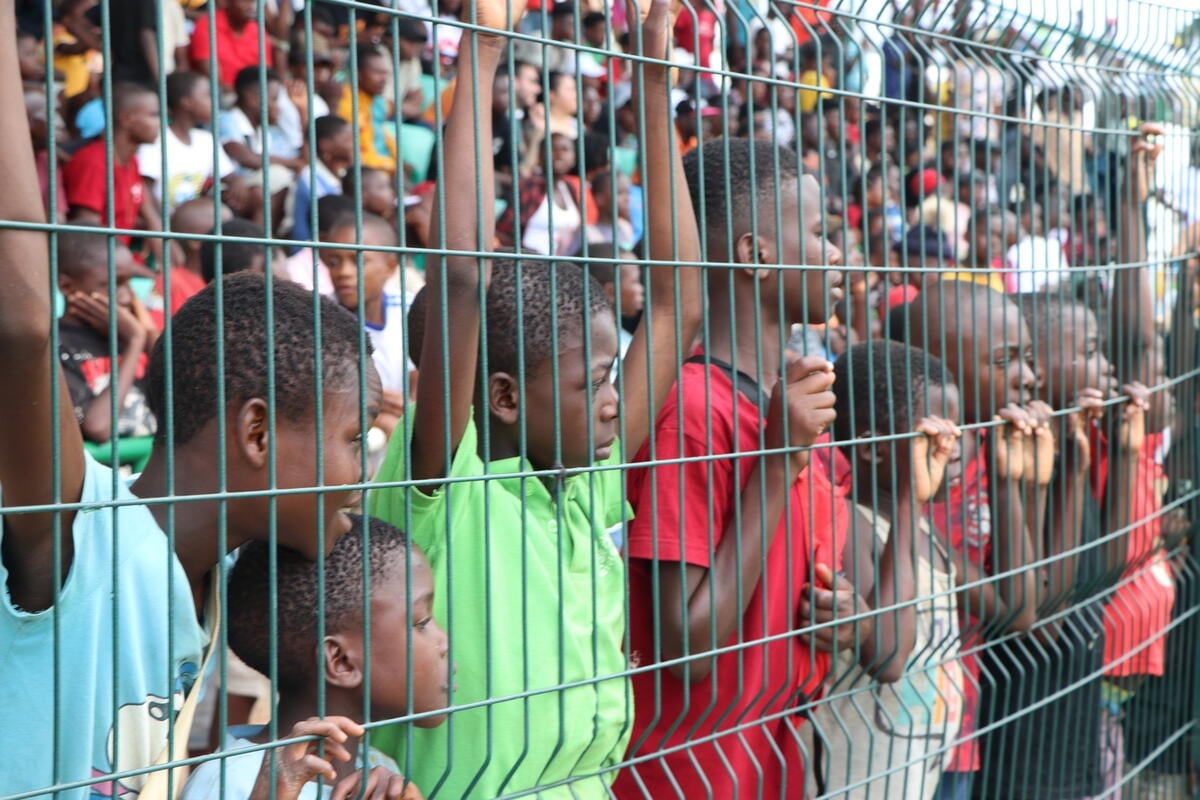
(234, 36)
(335, 155)
(376, 124)
(192, 164)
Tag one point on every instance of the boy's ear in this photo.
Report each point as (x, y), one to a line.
(66, 285)
(751, 251)
(503, 397)
(343, 661)
(253, 432)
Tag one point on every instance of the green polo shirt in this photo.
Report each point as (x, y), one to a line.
(531, 591)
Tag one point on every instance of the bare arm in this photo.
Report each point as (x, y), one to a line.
(27, 420)
(671, 222)
(1012, 548)
(454, 358)
(149, 41)
(1133, 293)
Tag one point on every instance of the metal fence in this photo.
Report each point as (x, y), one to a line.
(779, 399)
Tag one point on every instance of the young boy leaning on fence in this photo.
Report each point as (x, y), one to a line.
(530, 584)
(99, 629)
(980, 336)
(406, 647)
(730, 573)
(891, 739)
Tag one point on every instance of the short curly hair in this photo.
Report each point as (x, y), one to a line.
(298, 586)
(500, 339)
(195, 345)
(729, 196)
(564, 282)
(879, 383)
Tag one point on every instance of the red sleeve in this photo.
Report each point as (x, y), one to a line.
(673, 508)
(84, 179)
(201, 47)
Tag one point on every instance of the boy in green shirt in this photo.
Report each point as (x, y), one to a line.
(528, 581)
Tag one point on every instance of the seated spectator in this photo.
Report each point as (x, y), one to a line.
(378, 192)
(409, 670)
(262, 156)
(83, 339)
(235, 42)
(611, 213)
(191, 165)
(544, 231)
(335, 155)
(411, 37)
(195, 217)
(622, 283)
(38, 114)
(77, 48)
(299, 267)
(229, 256)
(135, 123)
(376, 121)
(381, 310)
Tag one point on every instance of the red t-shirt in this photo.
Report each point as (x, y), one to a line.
(691, 503)
(235, 51)
(184, 285)
(1137, 615)
(85, 178)
(965, 518)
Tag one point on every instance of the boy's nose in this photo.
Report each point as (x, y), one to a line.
(833, 256)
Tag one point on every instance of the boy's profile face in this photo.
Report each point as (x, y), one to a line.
(584, 392)
(338, 148)
(989, 348)
(1074, 358)
(378, 193)
(140, 119)
(809, 292)
(198, 102)
(377, 267)
(341, 437)
(400, 616)
(94, 281)
(633, 293)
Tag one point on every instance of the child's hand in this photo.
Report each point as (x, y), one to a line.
(809, 406)
(1008, 441)
(929, 454)
(1139, 167)
(93, 309)
(833, 597)
(1091, 408)
(1039, 451)
(298, 764)
(656, 17)
(1131, 430)
(499, 15)
(382, 784)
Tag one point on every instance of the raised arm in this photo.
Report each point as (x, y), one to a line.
(27, 419)
(455, 282)
(1132, 327)
(674, 238)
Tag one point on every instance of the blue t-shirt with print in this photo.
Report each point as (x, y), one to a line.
(106, 667)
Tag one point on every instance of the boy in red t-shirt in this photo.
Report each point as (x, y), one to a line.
(721, 549)
(135, 123)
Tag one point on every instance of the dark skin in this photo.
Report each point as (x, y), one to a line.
(986, 345)
(921, 466)
(32, 474)
(461, 279)
(697, 599)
